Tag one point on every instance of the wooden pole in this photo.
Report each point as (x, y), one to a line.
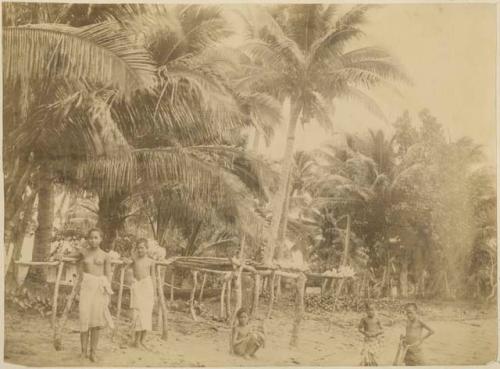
(60, 268)
(157, 300)
(229, 295)
(120, 293)
(172, 281)
(193, 293)
(256, 294)
(67, 308)
(222, 312)
(299, 309)
(271, 298)
(163, 306)
(278, 287)
(200, 297)
(238, 290)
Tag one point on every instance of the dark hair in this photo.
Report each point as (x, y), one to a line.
(94, 230)
(140, 241)
(411, 305)
(240, 312)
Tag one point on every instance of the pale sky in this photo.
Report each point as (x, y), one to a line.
(449, 51)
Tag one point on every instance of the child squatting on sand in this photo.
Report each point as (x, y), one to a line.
(246, 341)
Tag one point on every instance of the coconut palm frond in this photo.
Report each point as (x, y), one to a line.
(385, 68)
(201, 170)
(354, 16)
(341, 78)
(331, 45)
(368, 102)
(264, 111)
(317, 107)
(98, 53)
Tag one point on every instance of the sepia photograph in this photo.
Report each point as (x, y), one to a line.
(253, 184)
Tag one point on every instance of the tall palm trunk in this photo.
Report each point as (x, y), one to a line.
(112, 217)
(45, 218)
(284, 219)
(403, 275)
(20, 233)
(256, 141)
(280, 199)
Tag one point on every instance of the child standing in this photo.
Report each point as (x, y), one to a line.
(142, 292)
(246, 341)
(414, 337)
(95, 292)
(371, 329)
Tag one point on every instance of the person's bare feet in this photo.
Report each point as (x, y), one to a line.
(144, 346)
(93, 357)
(246, 356)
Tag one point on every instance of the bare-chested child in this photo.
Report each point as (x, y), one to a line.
(142, 292)
(414, 337)
(95, 292)
(246, 340)
(371, 329)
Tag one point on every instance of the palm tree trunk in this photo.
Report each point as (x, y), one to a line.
(403, 276)
(20, 233)
(284, 220)
(191, 245)
(45, 217)
(283, 185)
(256, 141)
(111, 218)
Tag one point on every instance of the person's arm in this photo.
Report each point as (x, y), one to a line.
(76, 253)
(236, 336)
(429, 330)
(380, 329)
(152, 271)
(361, 327)
(107, 267)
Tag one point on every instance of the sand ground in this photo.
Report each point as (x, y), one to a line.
(463, 337)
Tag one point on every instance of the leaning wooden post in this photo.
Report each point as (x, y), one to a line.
(345, 255)
(120, 292)
(172, 281)
(299, 309)
(256, 294)
(67, 308)
(193, 293)
(238, 290)
(60, 268)
(200, 297)
(278, 287)
(271, 298)
(229, 295)
(163, 306)
(222, 312)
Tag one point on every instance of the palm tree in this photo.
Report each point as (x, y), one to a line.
(301, 55)
(46, 65)
(191, 104)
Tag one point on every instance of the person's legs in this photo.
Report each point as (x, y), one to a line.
(143, 336)
(254, 344)
(84, 340)
(94, 340)
(137, 338)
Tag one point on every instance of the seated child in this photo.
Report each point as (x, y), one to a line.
(142, 292)
(371, 329)
(413, 339)
(245, 340)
